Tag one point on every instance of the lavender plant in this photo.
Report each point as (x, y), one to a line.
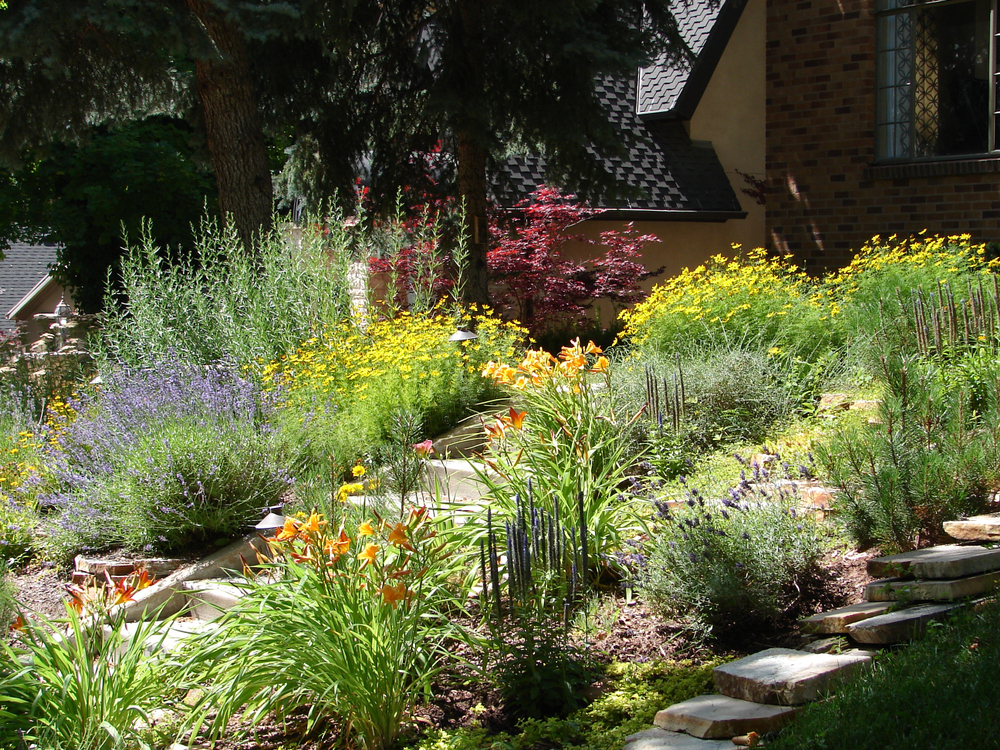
(742, 559)
(163, 457)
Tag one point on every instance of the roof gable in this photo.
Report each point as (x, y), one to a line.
(23, 268)
(673, 91)
(679, 179)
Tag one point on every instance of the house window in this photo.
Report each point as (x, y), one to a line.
(935, 64)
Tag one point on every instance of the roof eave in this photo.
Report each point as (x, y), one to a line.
(666, 214)
(37, 289)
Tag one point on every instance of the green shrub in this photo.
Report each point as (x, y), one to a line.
(714, 396)
(751, 299)
(224, 303)
(940, 692)
(931, 454)
(737, 562)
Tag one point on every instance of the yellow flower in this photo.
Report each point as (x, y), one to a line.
(365, 529)
(358, 471)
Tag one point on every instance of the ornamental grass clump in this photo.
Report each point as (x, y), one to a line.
(161, 458)
(351, 617)
(564, 439)
(752, 298)
(741, 561)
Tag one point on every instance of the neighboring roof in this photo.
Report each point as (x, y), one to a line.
(673, 91)
(681, 180)
(20, 272)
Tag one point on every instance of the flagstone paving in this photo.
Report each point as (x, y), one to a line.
(717, 716)
(975, 529)
(945, 561)
(901, 625)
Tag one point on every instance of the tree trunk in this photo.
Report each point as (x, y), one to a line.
(472, 189)
(233, 127)
(471, 153)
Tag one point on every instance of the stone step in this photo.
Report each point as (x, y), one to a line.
(895, 589)
(837, 620)
(901, 625)
(785, 676)
(975, 529)
(718, 716)
(208, 600)
(945, 561)
(661, 739)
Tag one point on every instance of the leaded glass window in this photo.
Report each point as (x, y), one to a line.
(937, 79)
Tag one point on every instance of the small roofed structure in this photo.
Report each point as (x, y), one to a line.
(28, 289)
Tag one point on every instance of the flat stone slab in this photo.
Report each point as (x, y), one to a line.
(901, 625)
(945, 561)
(155, 566)
(785, 676)
(661, 739)
(719, 716)
(895, 590)
(975, 529)
(837, 620)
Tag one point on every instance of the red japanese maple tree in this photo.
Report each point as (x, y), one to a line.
(546, 291)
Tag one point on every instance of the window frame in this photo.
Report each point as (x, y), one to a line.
(993, 83)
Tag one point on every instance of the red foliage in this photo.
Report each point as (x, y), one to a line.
(545, 291)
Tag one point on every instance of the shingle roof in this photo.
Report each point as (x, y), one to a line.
(667, 90)
(680, 179)
(24, 266)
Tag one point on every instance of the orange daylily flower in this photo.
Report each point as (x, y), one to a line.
(365, 529)
(516, 418)
(367, 557)
(18, 624)
(398, 537)
(395, 594)
(336, 547)
(601, 365)
(593, 348)
(314, 523)
(289, 531)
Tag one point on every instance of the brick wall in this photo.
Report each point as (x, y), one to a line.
(825, 197)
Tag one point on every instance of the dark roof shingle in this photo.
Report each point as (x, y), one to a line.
(679, 179)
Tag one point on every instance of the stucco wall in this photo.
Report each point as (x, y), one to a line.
(731, 115)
